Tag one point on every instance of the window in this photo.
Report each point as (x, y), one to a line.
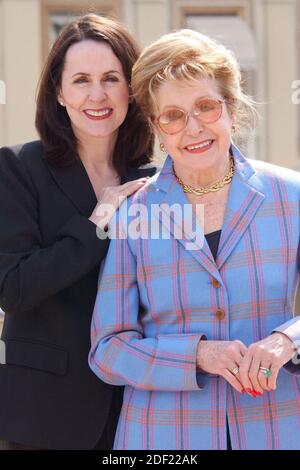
(230, 30)
(57, 13)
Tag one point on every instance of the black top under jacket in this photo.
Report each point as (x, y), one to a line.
(49, 265)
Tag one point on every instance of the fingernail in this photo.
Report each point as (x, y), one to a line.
(257, 394)
(243, 391)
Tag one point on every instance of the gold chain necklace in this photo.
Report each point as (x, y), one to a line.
(213, 188)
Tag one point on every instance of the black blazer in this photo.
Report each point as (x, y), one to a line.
(49, 264)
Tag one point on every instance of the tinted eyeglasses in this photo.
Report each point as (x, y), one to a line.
(174, 120)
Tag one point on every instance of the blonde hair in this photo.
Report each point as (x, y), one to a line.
(189, 55)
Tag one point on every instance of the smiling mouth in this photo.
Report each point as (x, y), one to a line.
(99, 114)
(199, 146)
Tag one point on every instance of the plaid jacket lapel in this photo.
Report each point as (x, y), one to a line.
(243, 202)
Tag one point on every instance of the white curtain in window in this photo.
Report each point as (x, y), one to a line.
(230, 30)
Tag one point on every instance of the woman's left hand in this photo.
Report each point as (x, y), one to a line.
(271, 353)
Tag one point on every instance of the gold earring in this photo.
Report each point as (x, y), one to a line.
(162, 148)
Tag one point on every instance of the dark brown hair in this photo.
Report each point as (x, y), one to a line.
(134, 145)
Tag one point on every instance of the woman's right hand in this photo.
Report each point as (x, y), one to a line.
(111, 199)
(221, 358)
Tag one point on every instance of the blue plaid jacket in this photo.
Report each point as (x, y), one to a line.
(157, 298)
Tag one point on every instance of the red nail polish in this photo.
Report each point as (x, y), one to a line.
(243, 391)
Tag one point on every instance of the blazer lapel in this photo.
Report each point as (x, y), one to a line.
(243, 202)
(136, 173)
(75, 183)
(73, 180)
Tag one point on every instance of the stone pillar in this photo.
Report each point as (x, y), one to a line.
(151, 19)
(20, 65)
(281, 126)
(2, 77)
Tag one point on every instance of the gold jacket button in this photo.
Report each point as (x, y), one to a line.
(216, 283)
(220, 314)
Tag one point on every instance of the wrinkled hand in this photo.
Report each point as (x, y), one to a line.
(272, 353)
(221, 357)
(111, 199)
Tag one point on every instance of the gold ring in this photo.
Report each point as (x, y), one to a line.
(235, 370)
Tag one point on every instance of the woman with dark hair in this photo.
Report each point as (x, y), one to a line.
(94, 141)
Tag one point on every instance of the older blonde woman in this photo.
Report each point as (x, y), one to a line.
(203, 337)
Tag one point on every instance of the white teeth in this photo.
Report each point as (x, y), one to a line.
(98, 113)
(199, 146)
